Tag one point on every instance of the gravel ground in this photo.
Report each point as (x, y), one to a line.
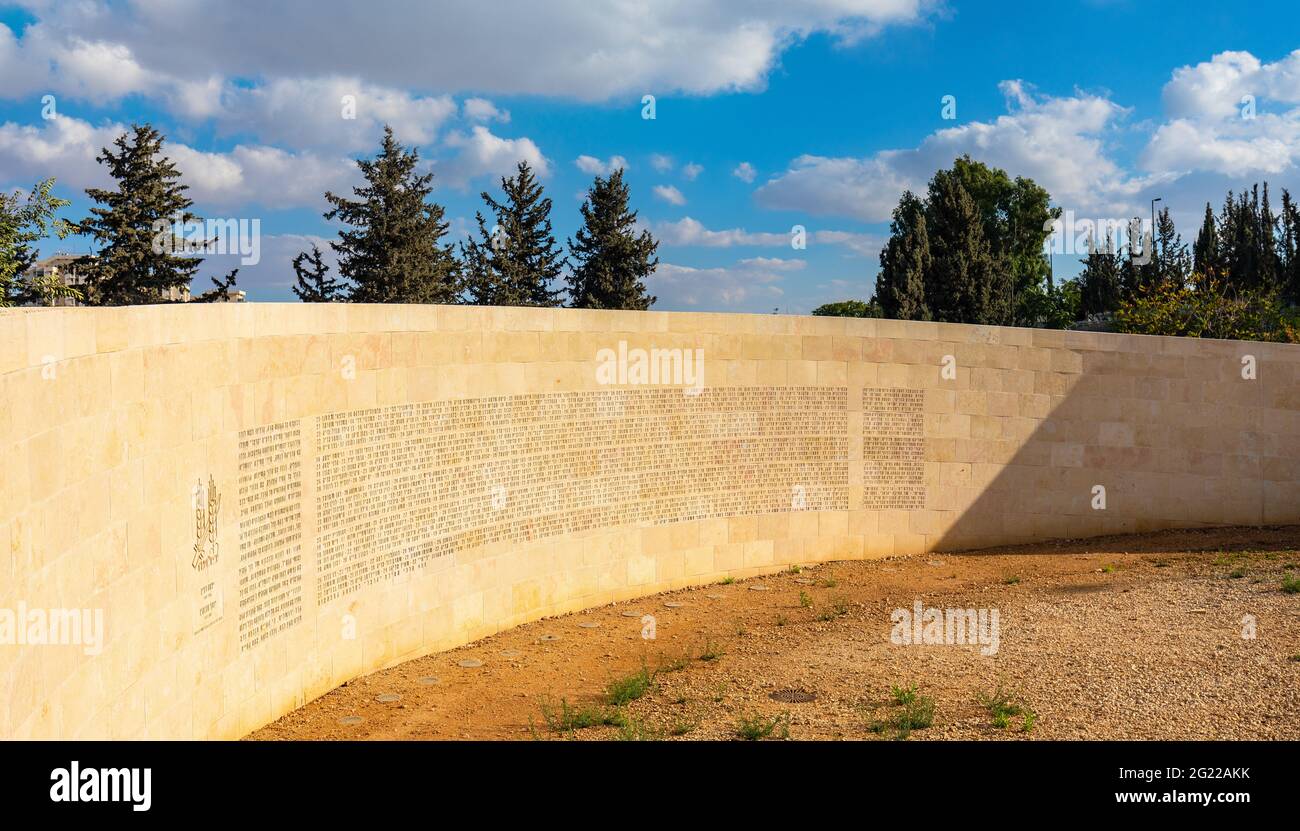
(1136, 637)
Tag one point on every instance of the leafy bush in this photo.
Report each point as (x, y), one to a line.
(1207, 311)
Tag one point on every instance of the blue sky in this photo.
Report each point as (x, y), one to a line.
(768, 115)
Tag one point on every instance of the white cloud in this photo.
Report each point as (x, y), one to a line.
(692, 171)
(481, 109)
(661, 163)
(481, 153)
(334, 113)
(774, 263)
(1215, 88)
(1058, 142)
(689, 231)
(596, 167)
(264, 176)
(744, 172)
(66, 148)
(669, 194)
(562, 47)
(62, 147)
(1217, 127)
(752, 285)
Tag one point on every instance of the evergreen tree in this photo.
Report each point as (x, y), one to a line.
(142, 258)
(966, 282)
(1289, 250)
(1206, 258)
(518, 261)
(904, 262)
(220, 291)
(1170, 257)
(1016, 216)
(610, 260)
(314, 286)
(393, 253)
(1099, 281)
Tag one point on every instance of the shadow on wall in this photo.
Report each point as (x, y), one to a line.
(1152, 433)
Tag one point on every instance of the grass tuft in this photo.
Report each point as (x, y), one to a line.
(620, 691)
(756, 726)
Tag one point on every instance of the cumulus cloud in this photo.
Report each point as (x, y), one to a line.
(596, 167)
(669, 194)
(481, 109)
(66, 148)
(61, 147)
(335, 113)
(1234, 115)
(692, 171)
(744, 172)
(511, 47)
(1057, 141)
(661, 163)
(482, 153)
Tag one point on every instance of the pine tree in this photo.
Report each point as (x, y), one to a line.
(220, 291)
(517, 262)
(392, 252)
(610, 260)
(314, 286)
(966, 283)
(904, 262)
(139, 261)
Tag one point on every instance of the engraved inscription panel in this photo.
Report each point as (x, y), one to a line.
(270, 531)
(893, 448)
(402, 487)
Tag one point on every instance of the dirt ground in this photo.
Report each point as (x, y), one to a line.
(1135, 637)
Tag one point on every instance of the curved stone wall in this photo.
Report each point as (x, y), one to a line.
(211, 514)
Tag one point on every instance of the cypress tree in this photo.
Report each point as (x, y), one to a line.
(1099, 281)
(136, 224)
(393, 253)
(314, 286)
(1171, 260)
(966, 283)
(611, 261)
(904, 262)
(518, 262)
(1267, 274)
(1206, 259)
(1289, 250)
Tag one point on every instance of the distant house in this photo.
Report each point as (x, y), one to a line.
(63, 267)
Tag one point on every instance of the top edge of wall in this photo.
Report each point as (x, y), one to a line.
(32, 337)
